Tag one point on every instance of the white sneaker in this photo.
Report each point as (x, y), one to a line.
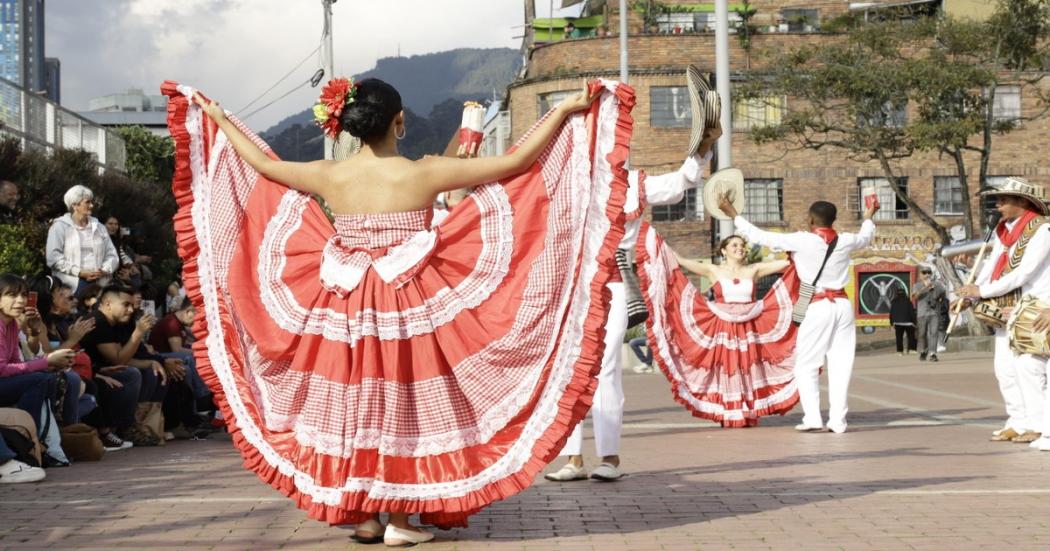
(606, 472)
(567, 473)
(802, 427)
(1041, 444)
(15, 472)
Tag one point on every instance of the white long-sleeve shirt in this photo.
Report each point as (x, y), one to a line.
(809, 250)
(1032, 275)
(664, 189)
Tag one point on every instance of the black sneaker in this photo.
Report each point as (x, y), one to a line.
(933, 358)
(113, 443)
(922, 357)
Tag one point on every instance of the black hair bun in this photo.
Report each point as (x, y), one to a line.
(375, 105)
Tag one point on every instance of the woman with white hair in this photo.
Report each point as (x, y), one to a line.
(79, 250)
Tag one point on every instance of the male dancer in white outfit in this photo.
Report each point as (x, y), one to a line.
(607, 408)
(827, 332)
(1021, 378)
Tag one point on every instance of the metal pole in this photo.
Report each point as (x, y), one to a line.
(329, 61)
(623, 41)
(725, 153)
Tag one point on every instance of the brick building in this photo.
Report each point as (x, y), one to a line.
(781, 183)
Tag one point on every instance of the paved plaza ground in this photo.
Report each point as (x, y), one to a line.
(915, 471)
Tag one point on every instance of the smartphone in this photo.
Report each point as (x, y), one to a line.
(149, 307)
(31, 301)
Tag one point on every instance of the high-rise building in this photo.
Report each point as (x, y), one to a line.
(22, 43)
(53, 79)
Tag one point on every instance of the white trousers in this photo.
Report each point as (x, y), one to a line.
(827, 334)
(607, 409)
(1007, 373)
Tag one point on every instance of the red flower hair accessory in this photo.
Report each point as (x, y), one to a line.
(335, 96)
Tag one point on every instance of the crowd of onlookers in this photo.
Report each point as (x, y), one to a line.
(90, 361)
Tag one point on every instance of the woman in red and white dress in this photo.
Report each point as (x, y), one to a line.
(730, 359)
(379, 365)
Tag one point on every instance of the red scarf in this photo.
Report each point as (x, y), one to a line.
(1008, 238)
(827, 234)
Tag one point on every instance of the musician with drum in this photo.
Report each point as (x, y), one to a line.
(1018, 265)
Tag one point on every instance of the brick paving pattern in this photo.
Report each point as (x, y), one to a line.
(916, 471)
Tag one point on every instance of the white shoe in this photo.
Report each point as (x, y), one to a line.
(802, 427)
(567, 473)
(370, 526)
(837, 429)
(1042, 444)
(396, 537)
(16, 472)
(642, 368)
(606, 472)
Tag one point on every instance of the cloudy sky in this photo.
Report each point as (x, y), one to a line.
(236, 49)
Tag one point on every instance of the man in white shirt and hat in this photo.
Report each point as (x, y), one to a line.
(1016, 264)
(827, 333)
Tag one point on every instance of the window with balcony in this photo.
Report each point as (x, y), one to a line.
(893, 207)
(669, 107)
(757, 112)
(764, 200)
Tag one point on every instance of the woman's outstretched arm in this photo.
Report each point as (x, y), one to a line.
(763, 269)
(307, 177)
(694, 266)
(443, 173)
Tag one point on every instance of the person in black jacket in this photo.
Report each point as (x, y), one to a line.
(902, 318)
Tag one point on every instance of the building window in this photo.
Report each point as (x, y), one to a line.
(669, 107)
(751, 113)
(764, 200)
(1006, 107)
(893, 207)
(800, 20)
(947, 196)
(682, 210)
(675, 23)
(550, 100)
(887, 115)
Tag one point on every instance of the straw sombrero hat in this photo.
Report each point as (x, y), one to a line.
(706, 105)
(729, 180)
(1019, 187)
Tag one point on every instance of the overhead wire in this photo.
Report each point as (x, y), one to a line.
(279, 81)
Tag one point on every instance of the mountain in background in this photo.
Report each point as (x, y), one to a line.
(436, 84)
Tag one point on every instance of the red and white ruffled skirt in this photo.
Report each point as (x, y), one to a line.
(730, 363)
(434, 377)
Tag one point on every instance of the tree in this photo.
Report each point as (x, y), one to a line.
(150, 158)
(852, 93)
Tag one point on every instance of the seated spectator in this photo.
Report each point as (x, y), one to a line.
(28, 385)
(174, 296)
(136, 263)
(8, 202)
(117, 343)
(170, 339)
(79, 250)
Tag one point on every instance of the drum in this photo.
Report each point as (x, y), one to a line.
(1023, 339)
(989, 311)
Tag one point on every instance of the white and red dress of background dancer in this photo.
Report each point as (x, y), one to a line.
(730, 359)
(375, 364)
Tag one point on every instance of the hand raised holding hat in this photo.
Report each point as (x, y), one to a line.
(725, 204)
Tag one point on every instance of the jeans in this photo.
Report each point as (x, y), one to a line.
(644, 356)
(152, 389)
(929, 334)
(117, 405)
(6, 453)
(28, 392)
(71, 401)
(902, 331)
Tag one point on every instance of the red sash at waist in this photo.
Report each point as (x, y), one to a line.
(829, 294)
